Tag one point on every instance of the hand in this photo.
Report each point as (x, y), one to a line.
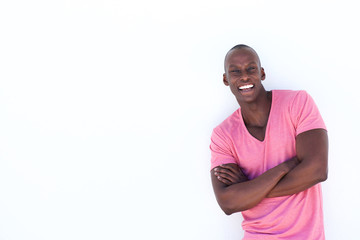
(230, 174)
(291, 163)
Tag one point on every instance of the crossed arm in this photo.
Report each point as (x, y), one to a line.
(235, 193)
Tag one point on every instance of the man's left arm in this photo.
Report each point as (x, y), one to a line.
(312, 152)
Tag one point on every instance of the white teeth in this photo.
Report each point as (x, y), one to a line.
(246, 86)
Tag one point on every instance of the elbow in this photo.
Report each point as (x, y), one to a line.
(321, 174)
(231, 203)
(230, 208)
(227, 207)
(228, 211)
(316, 169)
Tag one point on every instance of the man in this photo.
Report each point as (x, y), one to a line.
(268, 157)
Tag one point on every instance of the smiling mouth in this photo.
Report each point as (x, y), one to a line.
(246, 87)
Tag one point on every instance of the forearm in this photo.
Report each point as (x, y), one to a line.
(302, 177)
(312, 152)
(245, 195)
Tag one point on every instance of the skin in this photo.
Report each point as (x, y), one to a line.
(242, 67)
(233, 190)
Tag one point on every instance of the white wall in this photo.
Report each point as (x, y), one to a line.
(106, 111)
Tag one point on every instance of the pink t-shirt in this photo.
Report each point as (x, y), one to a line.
(298, 216)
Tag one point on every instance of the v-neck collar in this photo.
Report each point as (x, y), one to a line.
(267, 123)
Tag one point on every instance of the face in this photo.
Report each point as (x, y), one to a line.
(244, 74)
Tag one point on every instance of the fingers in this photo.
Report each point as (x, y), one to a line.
(230, 174)
(225, 175)
(224, 180)
(235, 169)
(231, 167)
(291, 163)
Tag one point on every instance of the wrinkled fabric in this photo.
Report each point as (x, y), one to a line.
(299, 216)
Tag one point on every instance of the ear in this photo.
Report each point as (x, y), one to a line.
(263, 75)
(225, 80)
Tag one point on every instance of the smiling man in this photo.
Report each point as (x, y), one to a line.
(269, 156)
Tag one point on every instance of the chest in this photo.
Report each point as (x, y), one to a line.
(257, 132)
(258, 149)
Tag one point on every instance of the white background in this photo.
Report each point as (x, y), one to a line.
(106, 111)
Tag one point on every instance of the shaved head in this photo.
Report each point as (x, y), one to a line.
(238, 47)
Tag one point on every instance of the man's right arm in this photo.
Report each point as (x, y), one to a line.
(248, 193)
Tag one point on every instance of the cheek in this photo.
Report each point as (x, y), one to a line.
(234, 80)
(234, 89)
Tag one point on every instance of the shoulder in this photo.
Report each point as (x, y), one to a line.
(291, 97)
(289, 94)
(227, 126)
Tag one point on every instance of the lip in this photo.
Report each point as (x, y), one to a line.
(245, 90)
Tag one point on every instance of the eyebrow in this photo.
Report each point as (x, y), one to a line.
(232, 65)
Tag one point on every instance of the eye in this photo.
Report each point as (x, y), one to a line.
(251, 68)
(235, 71)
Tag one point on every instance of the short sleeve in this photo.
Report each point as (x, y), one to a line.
(220, 149)
(305, 114)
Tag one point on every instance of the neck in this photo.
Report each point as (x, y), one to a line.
(256, 114)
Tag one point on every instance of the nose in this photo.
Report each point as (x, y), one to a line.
(245, 78)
